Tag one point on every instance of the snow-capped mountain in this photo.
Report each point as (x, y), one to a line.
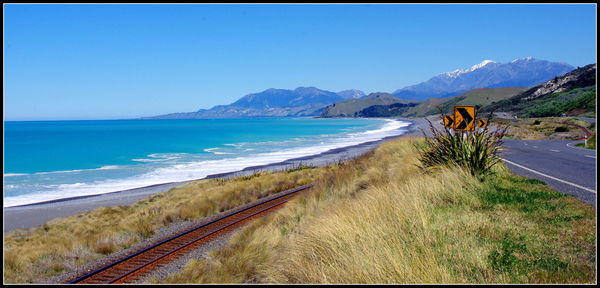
(352, 94)
(458, 72)
(522, 72)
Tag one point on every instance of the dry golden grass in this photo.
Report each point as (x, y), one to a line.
(67, 243)
(377, 219)
(542, 128)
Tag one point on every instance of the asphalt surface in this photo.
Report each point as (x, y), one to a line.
(561, 165)
(586, 119)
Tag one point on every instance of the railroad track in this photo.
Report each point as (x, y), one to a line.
(139, 264)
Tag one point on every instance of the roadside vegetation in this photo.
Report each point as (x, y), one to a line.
(476, 151)
(558, 128)
(591, 143)
(380, 219)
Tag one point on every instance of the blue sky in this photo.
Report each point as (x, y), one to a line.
(123, 61)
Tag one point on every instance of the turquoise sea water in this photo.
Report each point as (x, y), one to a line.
(47, 160)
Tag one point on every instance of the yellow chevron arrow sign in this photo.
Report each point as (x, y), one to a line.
(448, 121)
(464, 118)
(481, 123)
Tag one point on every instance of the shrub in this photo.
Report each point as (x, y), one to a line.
(561, 129)
(477, 151)
(105, 246)
(143, 227)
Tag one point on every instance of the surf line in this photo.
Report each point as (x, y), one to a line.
(548, 176)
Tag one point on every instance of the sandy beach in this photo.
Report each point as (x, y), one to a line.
(31, 215)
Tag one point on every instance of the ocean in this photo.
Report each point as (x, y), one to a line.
(49, 160)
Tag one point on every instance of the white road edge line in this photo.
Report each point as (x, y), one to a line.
(570, 144)
(590, 156)
(548, 176)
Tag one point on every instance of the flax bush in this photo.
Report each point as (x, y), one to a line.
(477, 150)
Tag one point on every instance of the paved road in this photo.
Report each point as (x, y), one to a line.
(586, 119)
(564, 167)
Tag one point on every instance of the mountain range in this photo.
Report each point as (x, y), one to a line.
(522, 72)
(302, 101)
(571, 94)
(311, 101)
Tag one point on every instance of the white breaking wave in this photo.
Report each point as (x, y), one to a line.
(147, 160)
(158, 157)
(212, 150)
(201, 169)
(108, 167)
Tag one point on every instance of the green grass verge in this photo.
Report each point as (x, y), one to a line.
(545, 238)
(591, 143)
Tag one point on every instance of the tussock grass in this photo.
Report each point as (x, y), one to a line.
(378, 219)
(66, 243)
(477, 151)
(542, 128)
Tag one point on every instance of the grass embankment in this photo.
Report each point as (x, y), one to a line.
(560, 128)
(578, 101)
(378, 219)
(67, 243)
(591, 143)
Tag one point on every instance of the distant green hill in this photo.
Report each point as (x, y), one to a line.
(355, 107)
(577, 101)
(427, 107)
(572, 94)
(392, 110)
(476, 97)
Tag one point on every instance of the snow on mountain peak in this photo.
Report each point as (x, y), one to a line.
(485, 62)
(522, 59)
(457, 72)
